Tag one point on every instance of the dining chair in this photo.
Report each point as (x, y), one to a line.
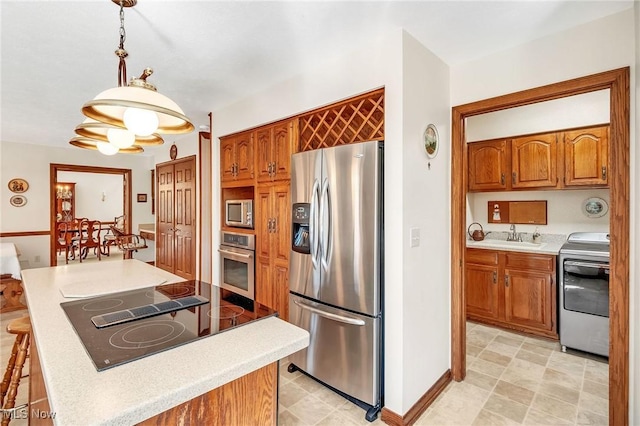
(65, 241)
(89, 237)
(110, 237)
(129, 243)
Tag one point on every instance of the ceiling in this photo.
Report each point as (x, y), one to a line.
(56, 55)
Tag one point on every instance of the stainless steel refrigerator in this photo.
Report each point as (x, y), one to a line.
(336, 268)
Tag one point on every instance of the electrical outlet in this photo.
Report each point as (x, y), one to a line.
(414, 237)
(37, 259)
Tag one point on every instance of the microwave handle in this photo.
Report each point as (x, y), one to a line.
(231, 253)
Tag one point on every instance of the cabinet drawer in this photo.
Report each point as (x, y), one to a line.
(485, 257)
(537, 262)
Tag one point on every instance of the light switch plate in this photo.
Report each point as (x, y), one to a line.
(414, 237)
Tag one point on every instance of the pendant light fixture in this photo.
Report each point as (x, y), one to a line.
(132, 114)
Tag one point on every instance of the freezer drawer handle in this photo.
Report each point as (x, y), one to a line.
(329, 315)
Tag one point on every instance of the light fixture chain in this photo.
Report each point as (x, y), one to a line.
(121, 52)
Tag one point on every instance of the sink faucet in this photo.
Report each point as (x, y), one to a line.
(514, 236)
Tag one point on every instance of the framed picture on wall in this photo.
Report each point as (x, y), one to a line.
(142, 198)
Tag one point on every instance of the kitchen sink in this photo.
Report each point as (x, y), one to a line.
(507, 244)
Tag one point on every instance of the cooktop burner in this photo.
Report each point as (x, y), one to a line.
(122, 327)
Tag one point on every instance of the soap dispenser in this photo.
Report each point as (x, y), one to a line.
(536, 236)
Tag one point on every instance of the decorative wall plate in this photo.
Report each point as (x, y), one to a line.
(18, 200)
(18, 185)
(595, 207)
(173, 151)
(431, 142)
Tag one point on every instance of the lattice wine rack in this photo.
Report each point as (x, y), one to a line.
(357, 119)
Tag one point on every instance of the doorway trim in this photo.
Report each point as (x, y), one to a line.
(617, 81)
(53, 180)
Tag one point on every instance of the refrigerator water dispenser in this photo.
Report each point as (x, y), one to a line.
(300, 235)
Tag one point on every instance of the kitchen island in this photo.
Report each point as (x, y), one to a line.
(198, 381)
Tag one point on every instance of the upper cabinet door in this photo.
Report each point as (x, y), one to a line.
(586, 156)
(533, 161)
(244, 156)
(227, 159)
(264, 153)
(282, 150)
(488, 165)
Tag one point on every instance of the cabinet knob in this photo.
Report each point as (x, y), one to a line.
(502, 179)
(513, 177)
(506, 280)
(495, 277)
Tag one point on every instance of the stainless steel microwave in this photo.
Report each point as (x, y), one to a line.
(239, 213)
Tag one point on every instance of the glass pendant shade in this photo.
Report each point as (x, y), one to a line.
(106, 148)
(110, 107)
(140, 121)
(95, 130)
(88, 143)
(121, 138)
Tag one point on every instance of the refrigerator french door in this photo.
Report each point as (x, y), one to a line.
(336, 268)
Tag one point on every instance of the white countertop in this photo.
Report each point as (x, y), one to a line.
(135, 391)
(550, 244)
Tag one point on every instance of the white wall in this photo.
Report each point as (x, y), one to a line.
(31, 162)
(425, 206)
(594, 47)
(96, 196)
(378, 64)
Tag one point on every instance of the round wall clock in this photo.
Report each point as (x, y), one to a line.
(173, 151)
(431, 141)
(18, 185)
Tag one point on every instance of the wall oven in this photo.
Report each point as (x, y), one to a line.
(584, 293)
(237, 263)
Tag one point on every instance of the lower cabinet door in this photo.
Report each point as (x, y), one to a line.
(344, 348)
(481, 292)
(528, 299)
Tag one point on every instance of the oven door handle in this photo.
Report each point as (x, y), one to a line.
(232, 253)
(586, 264)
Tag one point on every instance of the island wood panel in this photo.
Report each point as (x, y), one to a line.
(249, 400)
(38, 399)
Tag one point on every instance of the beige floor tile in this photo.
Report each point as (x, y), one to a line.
(462, 403)
(538, 349)
(310, 409)
(487, 367)
(334, 419)
(439, 417)
(596, 389)
(549, 344)
(594, 404)
(519, 378)
(286, 418)
(502, 348)
(589, 418)
(353, 412)
(532, 357)
(307, 383)
(479, 337)
(596, 372)
(290, 393)
(567, 363)
(514, 392)
(330, 397)
(562, 378)
(495, 357)
(539, 418)
(480, 380)
(509, 338)
(562, 393)
(488, 418)
(555, 407)
(506, 407)
(473, 350)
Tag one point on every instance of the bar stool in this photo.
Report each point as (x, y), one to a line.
(21, 327)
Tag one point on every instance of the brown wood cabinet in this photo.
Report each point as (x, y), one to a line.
(514, 290)
(274, 145)
(578, 156)
(533, 161)
(273, 242)
(586, 161)
(236, 157)
(488, 165)
(176, 217)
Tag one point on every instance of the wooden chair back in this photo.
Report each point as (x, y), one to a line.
(89, 238)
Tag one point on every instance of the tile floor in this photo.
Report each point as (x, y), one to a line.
(511, 379)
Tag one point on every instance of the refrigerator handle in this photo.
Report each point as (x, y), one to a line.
(325, 205)
(314, 239)
(329, 315)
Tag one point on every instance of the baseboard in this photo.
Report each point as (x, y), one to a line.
(414, 413)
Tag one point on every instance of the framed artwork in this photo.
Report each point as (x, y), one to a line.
(18, 200)
(142, 198)
(431, 141)
(18, 185)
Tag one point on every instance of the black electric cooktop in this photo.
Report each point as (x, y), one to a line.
(122, 327)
